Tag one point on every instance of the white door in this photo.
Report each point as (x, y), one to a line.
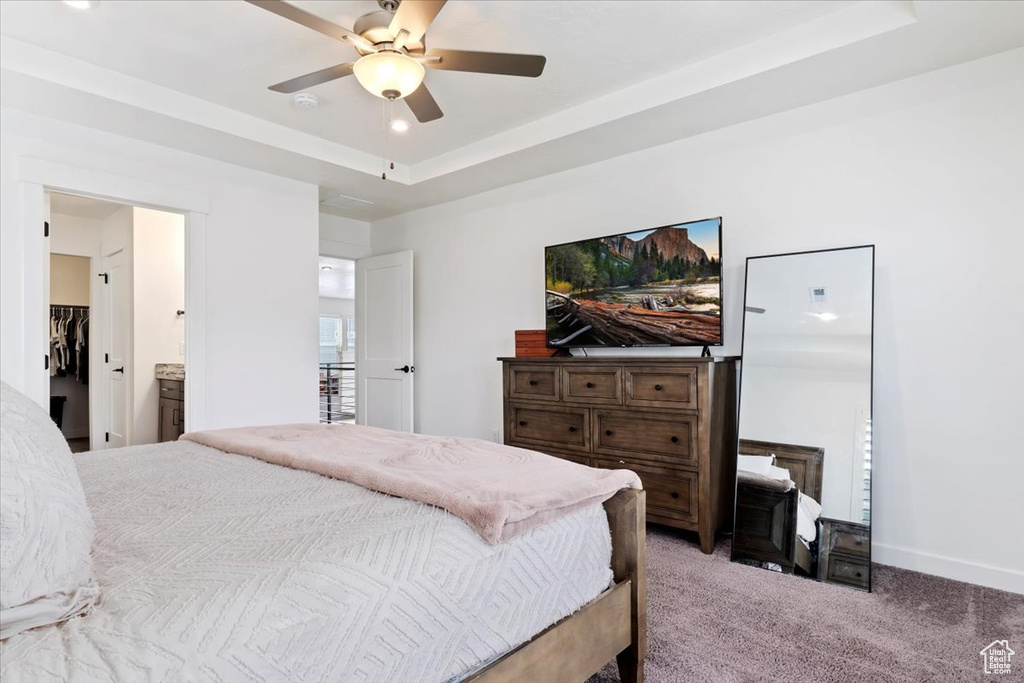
(384, 362)
(116, 335)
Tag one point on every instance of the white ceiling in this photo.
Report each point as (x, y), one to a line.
(82, 207)
(337, 278)
(620, 76)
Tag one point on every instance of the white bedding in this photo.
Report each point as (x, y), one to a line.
(220, 567)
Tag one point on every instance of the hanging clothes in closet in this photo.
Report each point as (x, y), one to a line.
(69, 340)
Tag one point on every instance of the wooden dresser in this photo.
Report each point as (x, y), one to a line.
(670, 420)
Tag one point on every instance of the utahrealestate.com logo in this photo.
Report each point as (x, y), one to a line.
(997, 657)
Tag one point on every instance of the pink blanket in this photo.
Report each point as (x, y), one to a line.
(500, 491)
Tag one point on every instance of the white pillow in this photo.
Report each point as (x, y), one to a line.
(46, 531)
(780, 473)
(758, 464)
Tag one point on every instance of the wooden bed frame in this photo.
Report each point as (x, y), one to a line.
(766, 519)
(612, 625)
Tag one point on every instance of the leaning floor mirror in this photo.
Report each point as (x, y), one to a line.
(803, 475)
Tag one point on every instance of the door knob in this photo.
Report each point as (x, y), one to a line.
(405, 368)
(121, 370)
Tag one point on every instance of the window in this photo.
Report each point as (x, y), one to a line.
(330, 339)
(350, 334)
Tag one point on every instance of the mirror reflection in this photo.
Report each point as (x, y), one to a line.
(803, 484)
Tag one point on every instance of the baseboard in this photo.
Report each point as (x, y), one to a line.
(948, 567)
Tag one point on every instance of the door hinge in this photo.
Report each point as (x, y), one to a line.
(106, 358)
(46, 362)
(46, 228)
(106, 436)
(106, 278)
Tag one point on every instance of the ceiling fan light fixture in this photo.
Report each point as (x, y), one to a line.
(388, 72)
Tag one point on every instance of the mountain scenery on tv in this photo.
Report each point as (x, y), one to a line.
(661, 286)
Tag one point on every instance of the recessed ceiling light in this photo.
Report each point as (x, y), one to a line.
(305, 100)
(81, 4)
(399, 125)
(326, 267)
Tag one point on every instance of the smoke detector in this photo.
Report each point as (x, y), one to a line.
(305, 100)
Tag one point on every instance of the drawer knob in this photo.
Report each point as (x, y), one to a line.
(622, 462)
(675, 494)
(858, 575)
(860, 542)
(657, 387)
(590, 385)
(572, 429)
(533, 382)
(675, 439)
(522, 423)
(608, 432)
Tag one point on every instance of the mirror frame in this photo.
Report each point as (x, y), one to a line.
(739, 396)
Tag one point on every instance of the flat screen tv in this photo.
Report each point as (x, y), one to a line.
(657, 287)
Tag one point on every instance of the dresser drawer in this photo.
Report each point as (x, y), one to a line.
(651, 436)
(853, 572)
(850, 541)
(670, 493)
(558, 426)
(592, 384)
(172, 388)
(534, 381)
(662, 387)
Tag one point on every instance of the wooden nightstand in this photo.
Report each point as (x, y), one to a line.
(844, 553)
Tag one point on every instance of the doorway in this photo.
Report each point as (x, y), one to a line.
(117, 321)
(337, 340)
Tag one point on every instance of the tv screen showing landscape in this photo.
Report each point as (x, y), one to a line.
(641, 288)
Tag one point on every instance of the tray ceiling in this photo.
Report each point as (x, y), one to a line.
(194, 75)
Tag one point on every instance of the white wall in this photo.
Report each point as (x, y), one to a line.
(69, 280)
(344, 237)
(929, 169)
(158, 292)
(339, 307)
(259, 241)
(74, 235)
(813, 407)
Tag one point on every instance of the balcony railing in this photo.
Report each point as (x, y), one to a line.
(337, 392)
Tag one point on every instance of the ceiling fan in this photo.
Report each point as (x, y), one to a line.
(393, 53)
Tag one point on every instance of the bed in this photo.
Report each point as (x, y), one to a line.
(770, 514)
(218, 566)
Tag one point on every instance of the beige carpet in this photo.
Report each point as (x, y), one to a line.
(712, 620)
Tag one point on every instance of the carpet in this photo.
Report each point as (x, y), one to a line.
(712, 620)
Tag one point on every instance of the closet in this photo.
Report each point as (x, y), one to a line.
(68, 362)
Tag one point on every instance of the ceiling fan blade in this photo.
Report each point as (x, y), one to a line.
(423, 105)
(488, 62)
(316, 78)
(299, 16)
(414, 17)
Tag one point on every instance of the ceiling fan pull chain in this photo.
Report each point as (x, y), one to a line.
(391, 132)
(384, 130)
